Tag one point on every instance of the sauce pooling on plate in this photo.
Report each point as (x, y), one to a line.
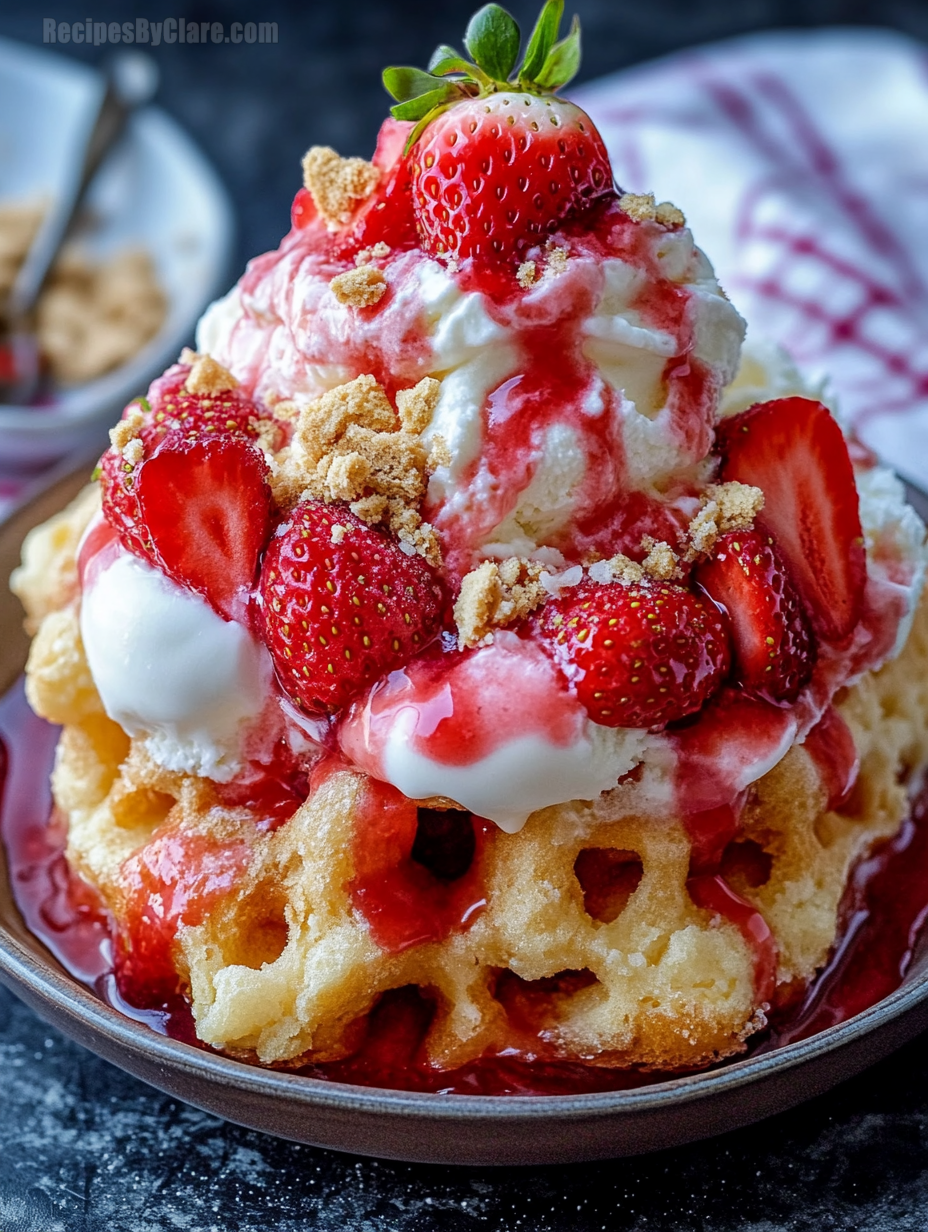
(883, 913)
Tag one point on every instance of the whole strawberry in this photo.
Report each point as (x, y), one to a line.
(773, 648)
(497, 160)
(342, 605)
(638, 656)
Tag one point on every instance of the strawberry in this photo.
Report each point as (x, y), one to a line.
(773, 650)
(169, 412)
(205, 507)
(342, 607)
(387, 216)
(498, 164)
(794, 450)
(640, 655)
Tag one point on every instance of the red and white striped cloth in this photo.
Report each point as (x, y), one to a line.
(801, 163)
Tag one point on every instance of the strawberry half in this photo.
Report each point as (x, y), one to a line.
(794, 450)
(342, 605)
(640, 655)
(205, 507)
(773, 650)
(497, 164)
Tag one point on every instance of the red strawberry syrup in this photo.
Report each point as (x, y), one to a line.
(884, 911)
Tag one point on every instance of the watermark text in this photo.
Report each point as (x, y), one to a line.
(154, 33)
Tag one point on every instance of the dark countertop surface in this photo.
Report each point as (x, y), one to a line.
(83, 1147)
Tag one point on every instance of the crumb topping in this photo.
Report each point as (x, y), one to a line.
(360, 287)
(207, 376)
(337, 185)
(416, 406)
(726, 507)
(557, 260)
(351, 445)
(496, 594)
(128, 429)
(377, 252)
(526, 274)
(661, 562)
(643, 208)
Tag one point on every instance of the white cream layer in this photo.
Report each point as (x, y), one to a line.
(170, 671)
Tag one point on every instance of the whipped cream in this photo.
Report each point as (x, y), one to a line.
(496, 731)
(169, 670)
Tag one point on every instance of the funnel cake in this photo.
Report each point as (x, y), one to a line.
(469, 615)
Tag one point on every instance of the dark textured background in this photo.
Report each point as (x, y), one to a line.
(83, 1148)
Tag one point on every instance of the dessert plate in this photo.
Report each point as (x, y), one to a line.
(422, 1127)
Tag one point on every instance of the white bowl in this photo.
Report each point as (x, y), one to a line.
(155, 191)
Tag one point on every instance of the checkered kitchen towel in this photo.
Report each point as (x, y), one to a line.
(801, 163)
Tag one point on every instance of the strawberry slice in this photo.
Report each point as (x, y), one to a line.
(206, 507)
(794, 450)
(773, 655)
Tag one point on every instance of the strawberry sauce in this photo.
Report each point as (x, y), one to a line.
(883, 914)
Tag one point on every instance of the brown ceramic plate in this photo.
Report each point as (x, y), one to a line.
(428, 1128)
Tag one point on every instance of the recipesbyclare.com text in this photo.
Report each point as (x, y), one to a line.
(154, 33)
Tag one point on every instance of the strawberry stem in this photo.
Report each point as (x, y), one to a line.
(492, 39)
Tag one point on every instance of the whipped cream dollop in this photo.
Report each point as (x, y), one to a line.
(169, 670)
(496, 730)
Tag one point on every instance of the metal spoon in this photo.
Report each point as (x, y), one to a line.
(133, 80)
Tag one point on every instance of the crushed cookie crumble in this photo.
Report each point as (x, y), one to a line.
(416, 406)
(668, 215)
(377, 252)
(496, 594)
(337, 185)
(206, 376)
(127, 429)
(731, 506)
(526, 274)
(359, 288)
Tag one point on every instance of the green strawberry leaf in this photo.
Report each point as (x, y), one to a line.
(492, 39)
(425, 104)
(544, 36)
(562, 62)
(446, 60)
(406, 83)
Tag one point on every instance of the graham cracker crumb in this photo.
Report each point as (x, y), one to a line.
(669, 216)
(439, 453)
(322, 423)
(377, 252)
(639, 206)
(360, 288)
(338, 533)
(526, 274)
(726, 507)
(188, 356)
(370, 509)
(208, 377)
(739, 504)
(557, 260)
(337, 185)
(417, 405)
(495, 595)
(661, 561)
(619, 568)
(347, 476)
(134, 452)
(351, 445)
(127, 429)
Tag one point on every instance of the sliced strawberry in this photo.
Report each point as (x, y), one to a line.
(638, 656)
(206, 507)
(794, 450)
(342, 605)
(773, 653)
(387, 216)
